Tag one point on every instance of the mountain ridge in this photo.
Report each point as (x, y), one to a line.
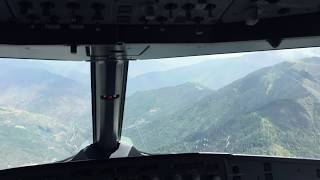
(263, 108)
(214, 73)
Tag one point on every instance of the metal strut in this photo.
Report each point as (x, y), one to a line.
(110, 68)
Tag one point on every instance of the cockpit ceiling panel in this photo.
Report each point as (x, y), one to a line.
(78, 22)
(241, 9)
(79, 13)
(147, 51)
(4, 12)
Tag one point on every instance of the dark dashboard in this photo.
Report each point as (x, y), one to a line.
(174, 167)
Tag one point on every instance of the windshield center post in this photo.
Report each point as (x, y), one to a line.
(109, 66)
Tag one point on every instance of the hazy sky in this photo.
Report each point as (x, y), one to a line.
(143, 66)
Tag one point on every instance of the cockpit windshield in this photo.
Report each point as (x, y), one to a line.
(258, 103)
(45, 111)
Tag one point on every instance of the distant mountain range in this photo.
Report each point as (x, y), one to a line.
(213, 74)
(272, 111)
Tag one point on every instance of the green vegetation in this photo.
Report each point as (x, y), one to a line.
(272, 111)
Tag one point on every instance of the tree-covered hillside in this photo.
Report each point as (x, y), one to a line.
(272, 111)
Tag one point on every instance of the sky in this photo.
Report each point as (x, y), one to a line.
(140, 67)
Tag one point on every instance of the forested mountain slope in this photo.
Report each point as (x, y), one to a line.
(273, 111)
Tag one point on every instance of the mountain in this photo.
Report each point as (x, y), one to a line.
(44, 116)
(214, 73)
(142, 108)
(40, 91)
(76, 70)
(272, 111)
(30, 138)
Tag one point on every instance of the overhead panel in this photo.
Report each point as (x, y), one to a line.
(5, 14)
(241, 10)
(86, 22)
(144, 12)
(118, 12)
